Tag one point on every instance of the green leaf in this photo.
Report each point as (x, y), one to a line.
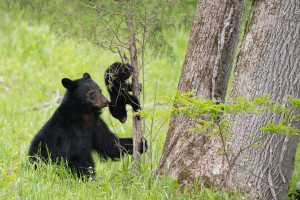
(212, 133)
(253, 135)
(294, 102)
(217, 154)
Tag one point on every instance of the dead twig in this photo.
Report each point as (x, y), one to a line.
(57, 99)
(98, 8)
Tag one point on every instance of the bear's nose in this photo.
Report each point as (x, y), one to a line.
(106, 103)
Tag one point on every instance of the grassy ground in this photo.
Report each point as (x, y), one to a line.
(32, 63)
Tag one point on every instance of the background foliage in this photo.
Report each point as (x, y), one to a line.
(32, 63)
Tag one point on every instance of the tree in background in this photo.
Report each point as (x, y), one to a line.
(268, 63)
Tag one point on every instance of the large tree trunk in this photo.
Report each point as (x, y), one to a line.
(268, 63)
(214, 36)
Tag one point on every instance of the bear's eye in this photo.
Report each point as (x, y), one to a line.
(92, 95)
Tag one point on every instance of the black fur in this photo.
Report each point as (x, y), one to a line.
(75, 129)
(115, 81)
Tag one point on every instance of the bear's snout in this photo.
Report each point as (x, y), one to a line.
(103, 101)
(106, 103)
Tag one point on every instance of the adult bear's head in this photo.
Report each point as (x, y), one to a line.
(84, 92)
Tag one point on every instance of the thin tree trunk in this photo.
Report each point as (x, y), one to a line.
(137, 125)
(187, 155)
(268, 64)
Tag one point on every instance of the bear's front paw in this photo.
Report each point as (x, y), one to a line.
(142, 143)
(138, 117)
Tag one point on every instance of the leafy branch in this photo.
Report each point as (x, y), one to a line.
(213, 118)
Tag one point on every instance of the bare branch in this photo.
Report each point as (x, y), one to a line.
(58, 99)
(98, 8)
(160, 128)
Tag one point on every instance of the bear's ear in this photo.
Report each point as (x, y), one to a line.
(86, 76)
(67, 83)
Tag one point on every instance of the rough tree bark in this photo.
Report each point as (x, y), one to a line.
(268, 63)
(186, 155)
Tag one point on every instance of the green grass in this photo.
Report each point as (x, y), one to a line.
(32, 63)
(295, 180)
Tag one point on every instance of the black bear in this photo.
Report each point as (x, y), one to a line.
(115, 81)
(75, 129)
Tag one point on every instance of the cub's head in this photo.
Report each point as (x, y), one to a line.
(84, 92)
(120, 70)
(118, 111)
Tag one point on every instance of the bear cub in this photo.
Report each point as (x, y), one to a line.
(115, 81)
(75, 130)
